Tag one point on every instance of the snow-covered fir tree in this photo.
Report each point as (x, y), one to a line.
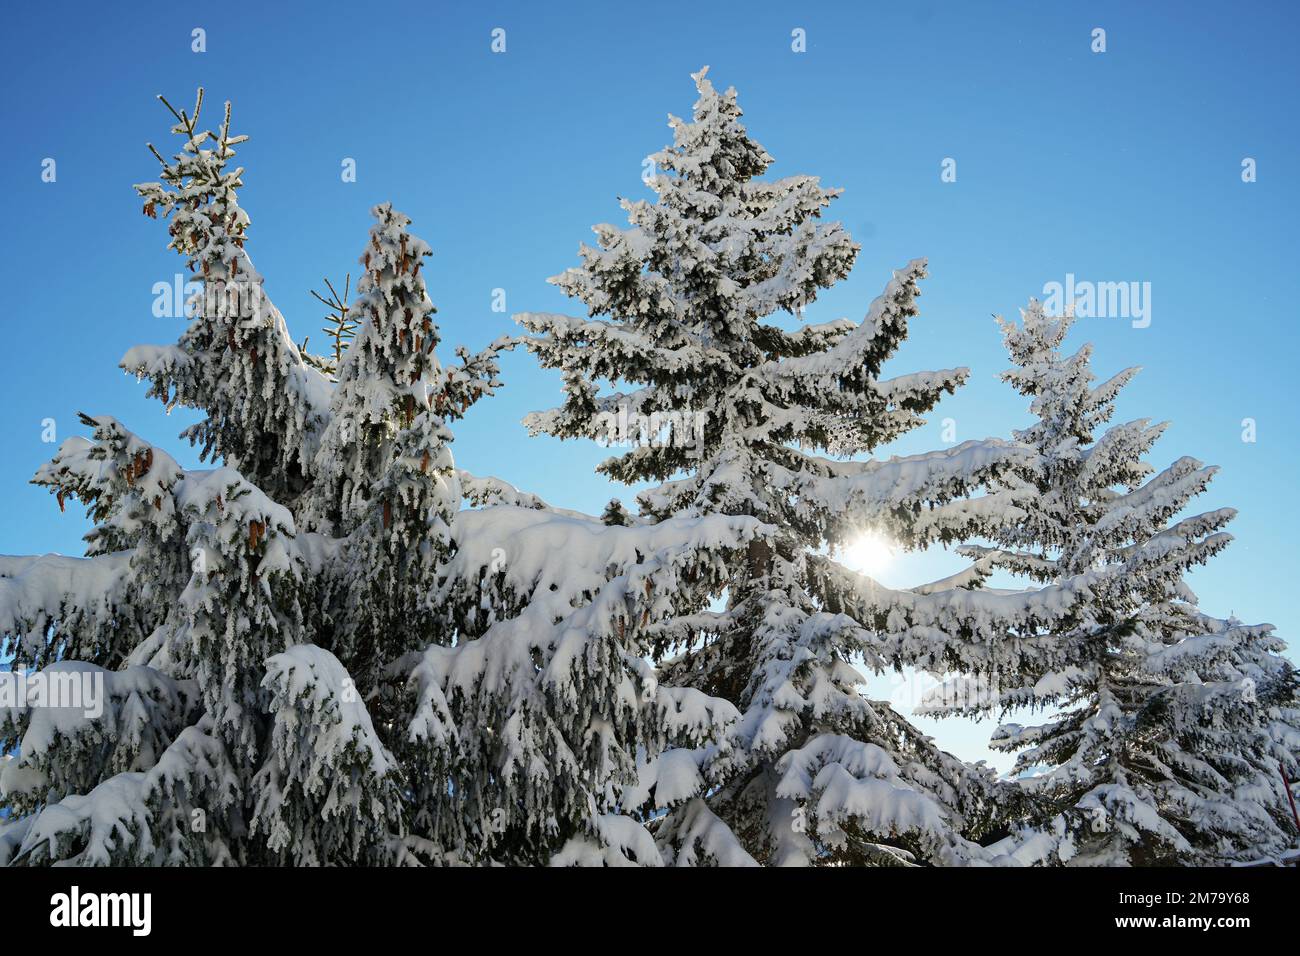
(384, 478)
(747, 418)
(222, 623)
(1170, 730)
(312, 654)
(335, 647)
(263, 404)
(233, 737)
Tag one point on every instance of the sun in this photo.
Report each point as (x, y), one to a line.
(870, 553)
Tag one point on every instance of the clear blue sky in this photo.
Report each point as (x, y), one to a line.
(1120, 166)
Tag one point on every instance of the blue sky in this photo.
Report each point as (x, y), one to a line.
(1115, 166)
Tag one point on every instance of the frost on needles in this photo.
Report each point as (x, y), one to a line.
(336, 647)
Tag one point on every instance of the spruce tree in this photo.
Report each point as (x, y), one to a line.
(311, 654)
(240, 618)
(684, 309)
(384, 479)
(263, 404)
(1170, 730)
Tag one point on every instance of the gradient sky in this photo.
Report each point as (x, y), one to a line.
(1118, 166)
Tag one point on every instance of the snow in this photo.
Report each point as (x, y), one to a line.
(35, 592)
(335, 646)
